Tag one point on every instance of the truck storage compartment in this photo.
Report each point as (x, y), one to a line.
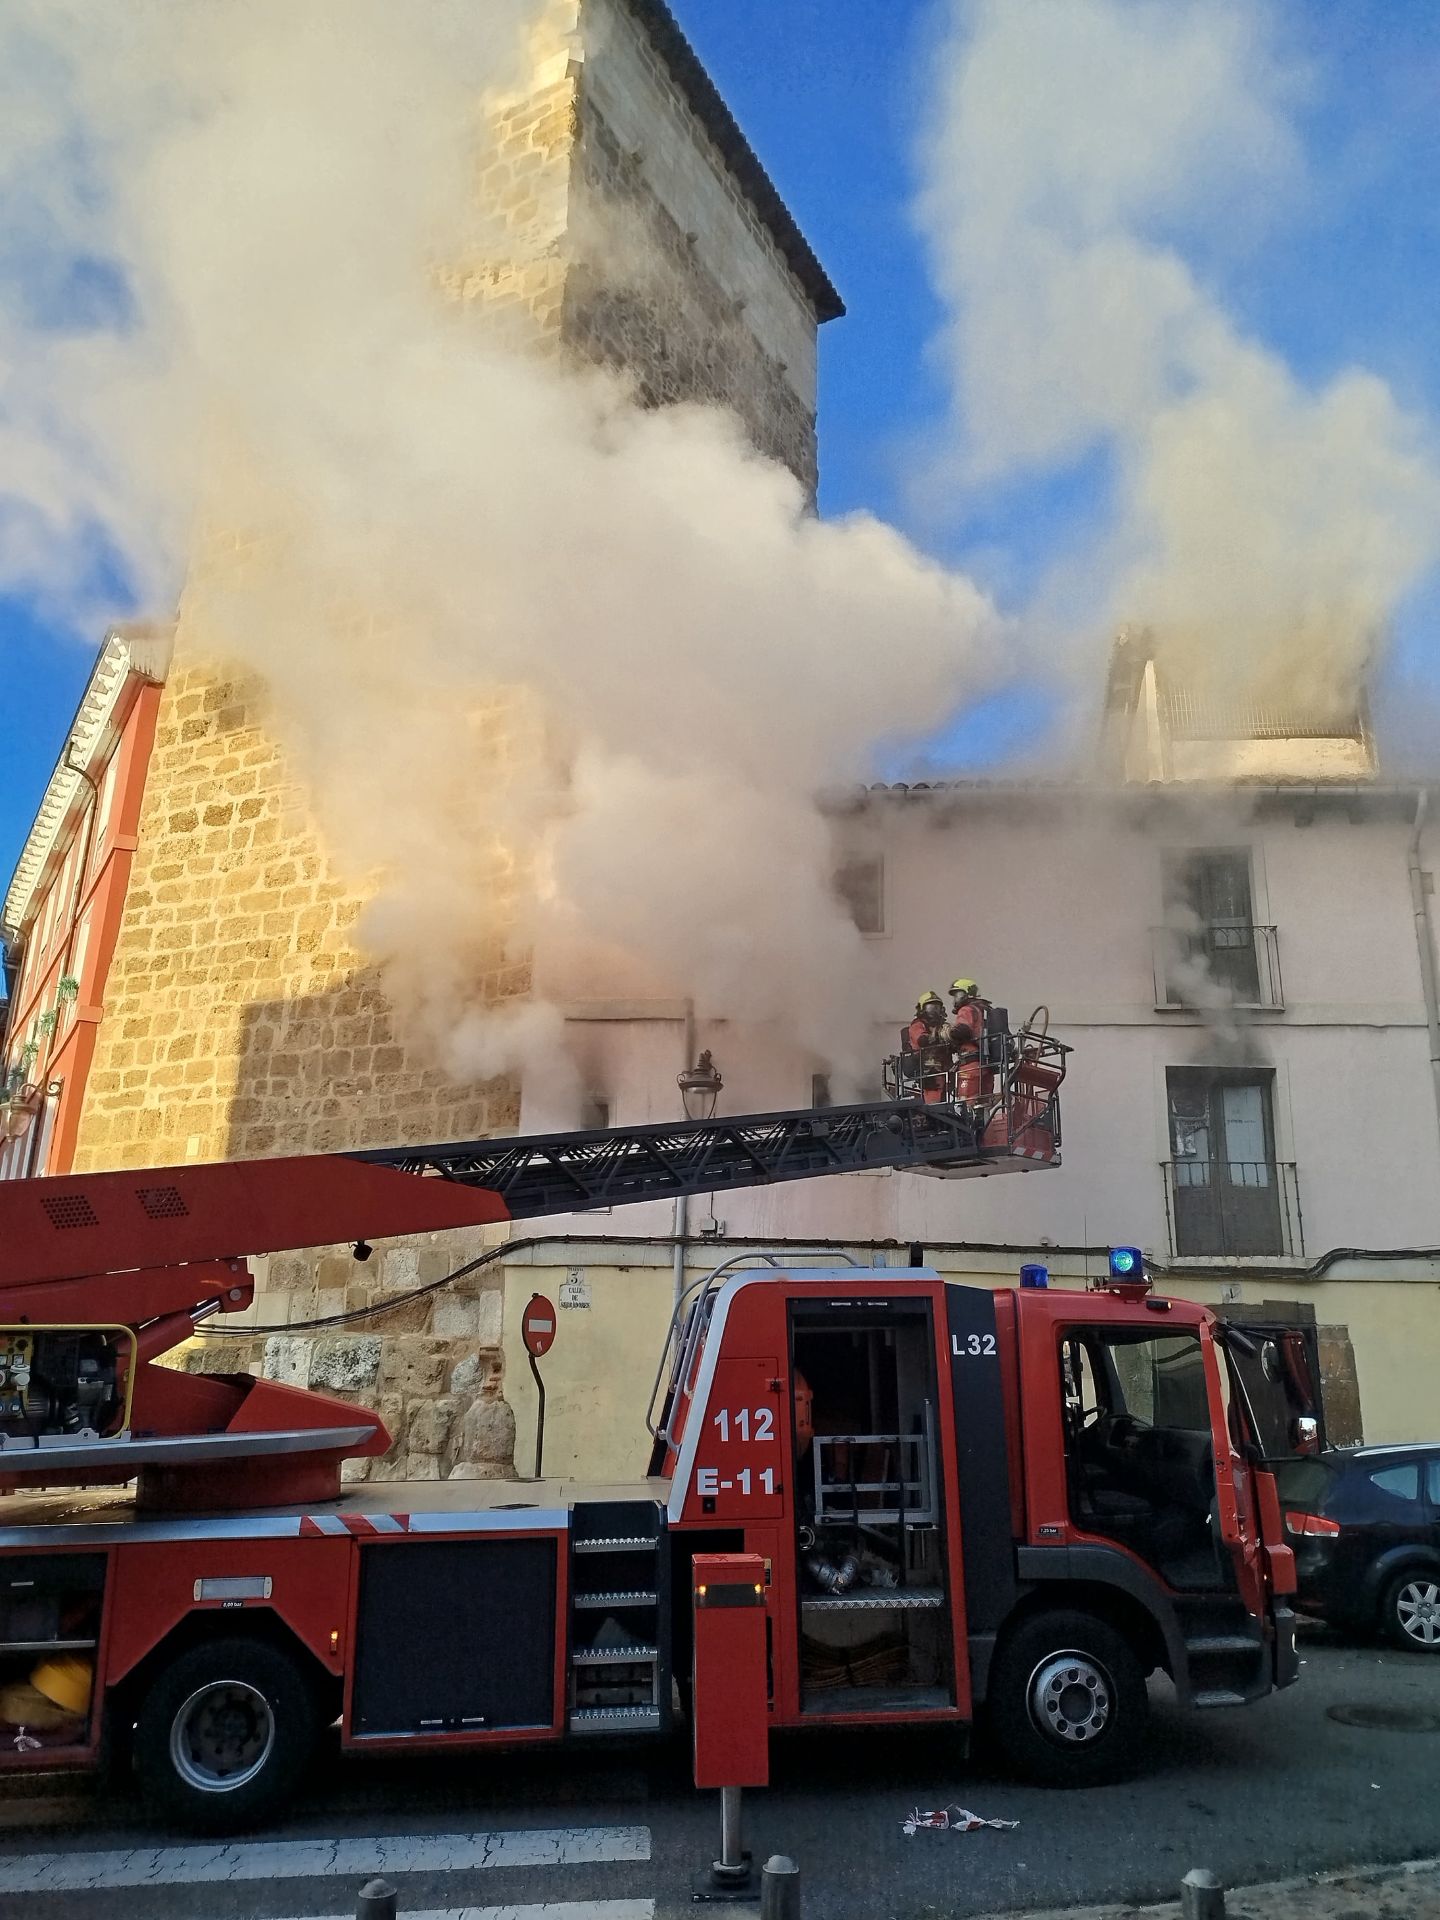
(455, 1636)
(50, 1610)
(874, 1606)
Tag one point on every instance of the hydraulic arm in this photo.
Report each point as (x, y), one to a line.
(101, 1274)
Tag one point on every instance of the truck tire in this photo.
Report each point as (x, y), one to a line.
(1410, 1611)
(224, 1734)
(1067, 1700)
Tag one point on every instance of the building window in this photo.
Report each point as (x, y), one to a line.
(106, 803)
(860, 883)
(1228, 1194)
(1210, 948)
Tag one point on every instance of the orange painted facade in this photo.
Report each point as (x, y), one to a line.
(66, 937)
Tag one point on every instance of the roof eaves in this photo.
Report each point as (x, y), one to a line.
(744, 163)
(1351, 793)
(125, 652)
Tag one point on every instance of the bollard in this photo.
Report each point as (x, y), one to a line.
(376, 1902)
(779, 1889)
(1201, 1896)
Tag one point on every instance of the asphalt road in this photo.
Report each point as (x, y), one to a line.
(1264, 1792)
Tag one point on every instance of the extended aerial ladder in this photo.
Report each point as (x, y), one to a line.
(102, 1274)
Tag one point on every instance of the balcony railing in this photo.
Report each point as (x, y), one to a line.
(1231, 1208)
(1189, 715)
(1227, 963)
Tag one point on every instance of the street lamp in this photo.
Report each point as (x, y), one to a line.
(700, 1087)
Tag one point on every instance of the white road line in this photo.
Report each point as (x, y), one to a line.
(309, 1859)
(547, 1910)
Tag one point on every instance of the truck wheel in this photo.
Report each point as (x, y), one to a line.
(1410, 1611)
(224, 1734)
(1067, 1700)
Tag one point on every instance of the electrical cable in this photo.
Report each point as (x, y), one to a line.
(352, 1315)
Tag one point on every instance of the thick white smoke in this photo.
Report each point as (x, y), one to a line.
(270, 198)
(1088, 164)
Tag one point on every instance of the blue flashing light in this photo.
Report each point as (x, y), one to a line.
(1034, 1276)
(1127, 1263)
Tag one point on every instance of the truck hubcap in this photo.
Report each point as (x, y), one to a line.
(1418, 1606)
(1070, 1696)
(222, 1736)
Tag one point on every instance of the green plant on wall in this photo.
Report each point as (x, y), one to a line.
(47, 1022)
(67, 988)
(29, 1053)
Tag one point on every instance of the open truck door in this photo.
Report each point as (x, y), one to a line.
(1275, 1367)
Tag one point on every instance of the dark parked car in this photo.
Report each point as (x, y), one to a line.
(1365, 1526)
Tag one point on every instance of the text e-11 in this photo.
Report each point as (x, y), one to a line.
(708, 1481)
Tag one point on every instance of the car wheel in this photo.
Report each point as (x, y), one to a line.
(1410, 1612)
(224, 1734)
(1067, 1700)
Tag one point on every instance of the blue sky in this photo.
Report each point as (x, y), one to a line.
(830, 93)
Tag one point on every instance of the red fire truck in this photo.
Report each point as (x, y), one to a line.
(1030, 1499)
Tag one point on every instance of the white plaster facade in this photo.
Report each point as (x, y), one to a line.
(1051, 896)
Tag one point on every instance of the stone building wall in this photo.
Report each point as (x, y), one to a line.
(241, 1018)
(676, 278)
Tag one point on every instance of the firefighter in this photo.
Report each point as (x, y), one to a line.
(967, 1038)
(929, 1045)
(967, 1020)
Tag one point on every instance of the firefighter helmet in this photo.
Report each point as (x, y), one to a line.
(964, 986)
(925, 996)
(804, 1412)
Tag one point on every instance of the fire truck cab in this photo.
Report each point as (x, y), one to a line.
(1031, 1498)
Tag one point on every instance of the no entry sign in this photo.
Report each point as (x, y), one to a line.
(537, 1329)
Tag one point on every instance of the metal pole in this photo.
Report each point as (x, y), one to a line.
(1425, 943)
(732, 1856)
(539, 1413)
(779, 1889)
(682, 1200)
(376, 1902)
(1201, 1896)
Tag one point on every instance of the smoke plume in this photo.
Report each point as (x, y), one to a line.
(1089, 168)
(223, 305)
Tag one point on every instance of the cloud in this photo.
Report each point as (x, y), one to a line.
(1088, 168)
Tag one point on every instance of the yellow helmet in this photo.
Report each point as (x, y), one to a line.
(927, 993)
(963, 986)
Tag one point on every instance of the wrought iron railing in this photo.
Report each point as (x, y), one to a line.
(1232, 1208)
(1224, 963)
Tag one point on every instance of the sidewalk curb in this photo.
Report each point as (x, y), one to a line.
(1311, 1896)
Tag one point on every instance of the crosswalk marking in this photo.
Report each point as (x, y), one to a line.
(307, 1859)
(547, 1910)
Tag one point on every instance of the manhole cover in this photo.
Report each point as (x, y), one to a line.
(1387, 1719)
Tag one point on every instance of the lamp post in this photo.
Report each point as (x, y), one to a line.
(700, 1087)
